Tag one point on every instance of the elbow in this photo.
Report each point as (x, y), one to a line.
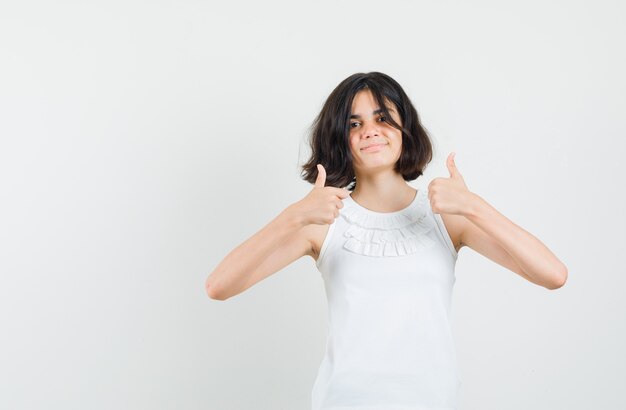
(560, 279)
(212, 291)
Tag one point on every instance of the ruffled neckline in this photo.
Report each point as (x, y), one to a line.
(379, 234)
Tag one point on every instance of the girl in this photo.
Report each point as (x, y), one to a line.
(386, 251)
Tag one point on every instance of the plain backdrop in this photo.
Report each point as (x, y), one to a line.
(141, 141)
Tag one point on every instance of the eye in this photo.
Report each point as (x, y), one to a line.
(382, 117)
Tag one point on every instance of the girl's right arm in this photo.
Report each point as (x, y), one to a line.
(232, 275)
(285, 239)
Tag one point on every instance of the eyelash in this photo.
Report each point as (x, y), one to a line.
(381, 117)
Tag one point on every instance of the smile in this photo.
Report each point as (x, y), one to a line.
(373, 148)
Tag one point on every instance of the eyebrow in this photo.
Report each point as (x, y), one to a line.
(378, 111)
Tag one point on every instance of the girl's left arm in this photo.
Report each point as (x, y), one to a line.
(481, 227)
(490, 233)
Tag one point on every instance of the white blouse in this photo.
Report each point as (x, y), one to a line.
(388, 278)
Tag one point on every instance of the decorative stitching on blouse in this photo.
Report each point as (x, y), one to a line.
(397, 234)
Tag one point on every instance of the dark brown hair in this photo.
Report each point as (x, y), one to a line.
(329, 132)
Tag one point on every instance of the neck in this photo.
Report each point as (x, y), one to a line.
(383, 192)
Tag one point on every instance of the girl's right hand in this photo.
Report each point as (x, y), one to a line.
(321, 205)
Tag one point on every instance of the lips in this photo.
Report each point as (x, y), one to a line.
(372, 146)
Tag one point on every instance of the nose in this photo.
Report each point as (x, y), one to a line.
(370, 129)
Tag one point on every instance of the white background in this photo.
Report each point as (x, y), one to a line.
(141, 141)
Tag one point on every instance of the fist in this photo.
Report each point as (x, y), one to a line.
(449, 195)
(321, 205)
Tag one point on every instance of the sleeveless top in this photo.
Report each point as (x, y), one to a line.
(388, 278)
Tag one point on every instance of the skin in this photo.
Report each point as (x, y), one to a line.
(470, 220)
(379, 187)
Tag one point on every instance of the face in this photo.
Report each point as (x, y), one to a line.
(373, 142)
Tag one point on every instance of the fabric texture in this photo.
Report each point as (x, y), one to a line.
(388, 278)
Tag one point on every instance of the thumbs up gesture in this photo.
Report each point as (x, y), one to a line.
(449, 195)
(321, 205)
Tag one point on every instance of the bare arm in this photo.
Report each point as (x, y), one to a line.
(285, 239)
(495, 236)
(233, 274)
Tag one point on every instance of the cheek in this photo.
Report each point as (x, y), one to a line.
(398, 144)
(398, 137)
(354, 144)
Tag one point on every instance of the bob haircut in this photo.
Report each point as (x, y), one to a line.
(330, 131)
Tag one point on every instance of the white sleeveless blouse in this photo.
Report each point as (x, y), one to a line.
(388, 278)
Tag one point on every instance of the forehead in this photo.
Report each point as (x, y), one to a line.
(364, 101)
(364, 104)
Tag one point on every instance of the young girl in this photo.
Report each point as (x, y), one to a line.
(386, 251)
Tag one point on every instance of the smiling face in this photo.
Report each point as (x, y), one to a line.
(373, 142)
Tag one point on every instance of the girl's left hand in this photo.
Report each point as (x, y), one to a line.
(449, 195)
